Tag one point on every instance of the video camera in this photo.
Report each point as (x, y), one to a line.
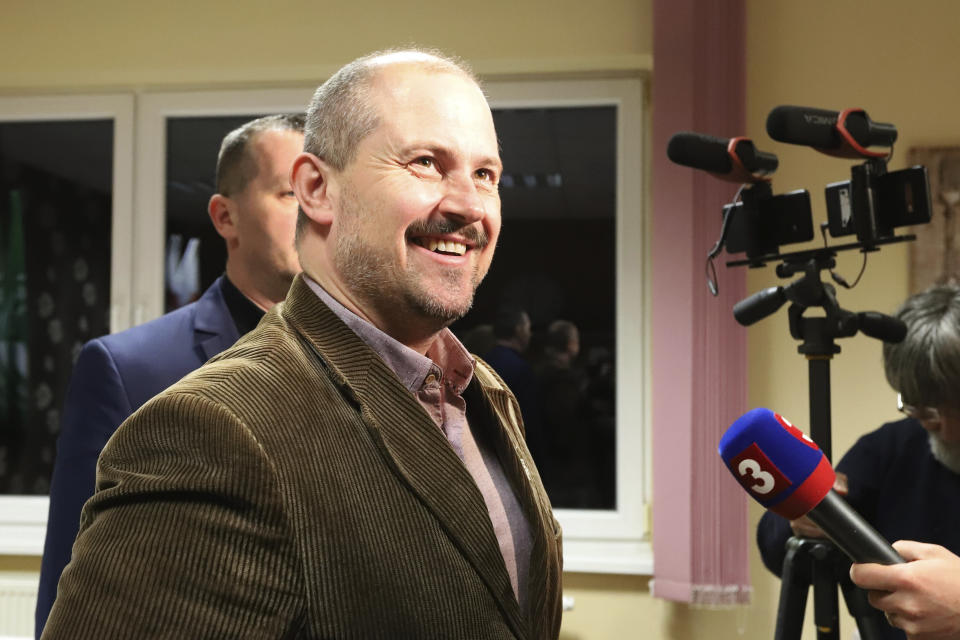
(871, 205)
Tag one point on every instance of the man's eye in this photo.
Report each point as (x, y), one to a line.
(425, 161)
(486, 174)
(289, 194)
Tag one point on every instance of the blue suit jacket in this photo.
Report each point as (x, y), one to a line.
(113, 376)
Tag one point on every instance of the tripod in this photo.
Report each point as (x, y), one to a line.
(817, 562)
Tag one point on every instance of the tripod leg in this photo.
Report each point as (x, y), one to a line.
(794, 586)
(870, 621)
(826, 608)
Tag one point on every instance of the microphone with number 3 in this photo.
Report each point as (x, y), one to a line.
(787, 473)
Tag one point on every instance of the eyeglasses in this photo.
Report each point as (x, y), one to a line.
(917, 413)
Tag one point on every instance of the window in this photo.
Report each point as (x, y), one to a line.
(65, 231)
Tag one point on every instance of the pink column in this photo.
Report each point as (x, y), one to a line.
(699, 373)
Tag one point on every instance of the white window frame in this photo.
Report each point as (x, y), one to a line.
(23, 519)
(618, 540)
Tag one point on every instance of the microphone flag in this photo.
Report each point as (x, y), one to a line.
(777, 464)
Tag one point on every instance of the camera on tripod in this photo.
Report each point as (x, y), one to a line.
(870, 205)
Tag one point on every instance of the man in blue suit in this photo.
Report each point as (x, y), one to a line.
(255, 211)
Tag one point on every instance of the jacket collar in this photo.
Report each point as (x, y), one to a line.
(213, 327)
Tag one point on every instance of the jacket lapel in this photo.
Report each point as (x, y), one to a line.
(412, 445)
(213, 327)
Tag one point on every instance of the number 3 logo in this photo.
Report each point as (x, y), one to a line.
(751, 468)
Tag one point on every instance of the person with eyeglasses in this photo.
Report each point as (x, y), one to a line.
(904, 477)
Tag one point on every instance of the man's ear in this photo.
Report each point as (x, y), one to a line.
(310, 178)
(221, 210)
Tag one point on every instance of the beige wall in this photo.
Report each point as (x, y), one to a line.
(894, 59)
(107, 43)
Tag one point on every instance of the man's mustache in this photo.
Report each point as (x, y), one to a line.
(472, 233)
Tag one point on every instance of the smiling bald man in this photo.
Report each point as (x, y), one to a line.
(348, 469)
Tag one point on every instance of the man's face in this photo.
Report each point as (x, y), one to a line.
(418, 211)
(267, 209)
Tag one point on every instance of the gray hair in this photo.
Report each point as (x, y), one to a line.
(236, 166)
(925, 367)
(341, 114)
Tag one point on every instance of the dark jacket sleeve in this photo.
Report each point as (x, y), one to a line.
(95, 405)
(186, 536)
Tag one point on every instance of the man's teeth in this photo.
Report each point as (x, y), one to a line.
(446, 246)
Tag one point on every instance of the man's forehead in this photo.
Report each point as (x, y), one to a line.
(420, 106)
(266, 142)
(268, 155)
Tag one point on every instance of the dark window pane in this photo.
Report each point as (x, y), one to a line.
(556, 260)
(55, 237)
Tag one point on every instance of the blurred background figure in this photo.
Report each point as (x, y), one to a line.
(511, 330)
(561, 389)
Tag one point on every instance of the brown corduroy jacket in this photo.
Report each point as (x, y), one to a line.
(292, 487)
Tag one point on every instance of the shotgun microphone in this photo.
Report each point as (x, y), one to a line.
(845, 133)
(733, 159)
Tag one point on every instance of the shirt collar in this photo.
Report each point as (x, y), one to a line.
(448, 359)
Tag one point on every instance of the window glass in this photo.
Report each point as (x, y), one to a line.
(556, 261)
(55, 259)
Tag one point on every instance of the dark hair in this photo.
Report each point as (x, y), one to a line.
(506, 322)
(925, 367)
(559, 334)
(236, 166)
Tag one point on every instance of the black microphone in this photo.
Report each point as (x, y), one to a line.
(830, 131)
(850, 532)
(787, 473)
(738, 162)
